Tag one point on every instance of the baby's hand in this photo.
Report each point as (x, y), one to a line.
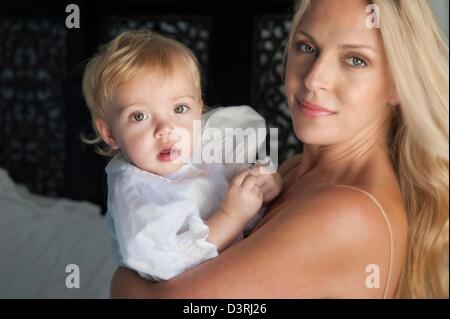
(270, 184)
(243, 198)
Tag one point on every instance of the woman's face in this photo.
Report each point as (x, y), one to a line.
(338, 63)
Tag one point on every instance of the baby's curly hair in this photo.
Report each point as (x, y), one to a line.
(122, 59)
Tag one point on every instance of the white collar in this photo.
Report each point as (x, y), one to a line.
(120, 163)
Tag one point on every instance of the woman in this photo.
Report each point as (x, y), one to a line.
(364, 211)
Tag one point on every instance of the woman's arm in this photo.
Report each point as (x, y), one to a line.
(318, 248)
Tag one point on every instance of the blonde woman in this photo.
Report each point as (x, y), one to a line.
(364, 210)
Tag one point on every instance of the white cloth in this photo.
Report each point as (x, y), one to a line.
(40, 236)
(157, 222)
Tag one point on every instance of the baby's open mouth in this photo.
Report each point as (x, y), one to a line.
(168, 153)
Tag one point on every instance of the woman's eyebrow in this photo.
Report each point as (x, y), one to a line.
(357, 46)
(343, 46)
(306, 34)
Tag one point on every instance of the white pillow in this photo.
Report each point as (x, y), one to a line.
(40, 236)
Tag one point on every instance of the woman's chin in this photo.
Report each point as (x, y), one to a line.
(310, 136)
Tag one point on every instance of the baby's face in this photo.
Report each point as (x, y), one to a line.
(145, 113)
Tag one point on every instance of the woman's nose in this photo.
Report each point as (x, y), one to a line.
(319, 75)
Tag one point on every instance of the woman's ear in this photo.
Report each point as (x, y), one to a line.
(106, 133)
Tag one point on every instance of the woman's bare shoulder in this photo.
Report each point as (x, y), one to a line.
(349, 231)
(289, 164)
(338, 230)
(338, 206)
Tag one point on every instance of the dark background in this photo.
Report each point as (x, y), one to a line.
(42, 112)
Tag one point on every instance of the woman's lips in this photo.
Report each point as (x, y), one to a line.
(313, 110)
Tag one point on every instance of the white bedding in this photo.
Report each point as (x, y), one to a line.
(40, 236)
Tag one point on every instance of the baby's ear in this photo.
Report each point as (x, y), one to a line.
(106, 133)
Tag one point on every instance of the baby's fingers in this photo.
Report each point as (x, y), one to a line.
(239, 178)
(249, 182)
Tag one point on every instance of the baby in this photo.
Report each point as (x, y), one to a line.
(168, 212)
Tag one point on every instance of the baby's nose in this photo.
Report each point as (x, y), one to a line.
(163, 128)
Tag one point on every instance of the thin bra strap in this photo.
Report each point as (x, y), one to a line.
(391, 257)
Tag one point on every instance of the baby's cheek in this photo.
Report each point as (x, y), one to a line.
(140, 145)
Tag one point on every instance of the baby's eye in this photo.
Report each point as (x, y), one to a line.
(180, 108)
(356, 62)
(305, 48)
(138, 116)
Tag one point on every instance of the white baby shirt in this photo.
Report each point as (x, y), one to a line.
(156, 222)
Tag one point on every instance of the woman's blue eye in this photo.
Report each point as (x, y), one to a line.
(180, 109)
(356, 62)
(138, 116)
(307, 49)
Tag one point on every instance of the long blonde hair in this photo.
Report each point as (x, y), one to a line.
(418, 57)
